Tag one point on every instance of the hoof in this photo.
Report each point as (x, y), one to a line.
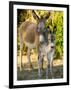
(52, 77)
(39, 76)
(46, 77)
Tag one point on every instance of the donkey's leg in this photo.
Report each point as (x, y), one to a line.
(40, 58)
(21, 66)
(42, 63)
(21, 50)
(47, 69)
(29, 62)
(28, 57)
(39, 68)
(51, 68)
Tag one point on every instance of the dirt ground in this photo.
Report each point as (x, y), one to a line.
(32, 74)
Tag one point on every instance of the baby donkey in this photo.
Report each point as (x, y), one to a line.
(46, 48)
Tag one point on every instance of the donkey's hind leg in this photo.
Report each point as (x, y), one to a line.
(21, 51)
(47, 70)
(28, 57)
(30, 63)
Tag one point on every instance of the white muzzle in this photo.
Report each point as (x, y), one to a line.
(41, 38)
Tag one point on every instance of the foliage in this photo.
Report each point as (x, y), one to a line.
(58, 21)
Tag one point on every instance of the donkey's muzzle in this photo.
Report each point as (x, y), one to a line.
(41, 39)
(52, 45)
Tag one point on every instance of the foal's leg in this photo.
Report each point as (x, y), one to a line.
(39, 68)
(51, 68)
(47, 69)
(48, 63)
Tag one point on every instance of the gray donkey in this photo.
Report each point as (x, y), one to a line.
(37, 36)
(46, 48)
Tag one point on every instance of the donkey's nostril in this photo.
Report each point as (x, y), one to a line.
(52, 46)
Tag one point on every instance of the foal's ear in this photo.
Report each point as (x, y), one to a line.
(35, 15)
(48, 29)
(54, 29)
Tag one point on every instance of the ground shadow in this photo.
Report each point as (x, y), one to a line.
(32, 74)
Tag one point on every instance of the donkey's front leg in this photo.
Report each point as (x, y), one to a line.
(39, 69)
(40, 60)
(47, 68)
(21, 51)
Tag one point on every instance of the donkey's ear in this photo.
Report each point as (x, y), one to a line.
(54, 29)
(35, 15)
(48, 29)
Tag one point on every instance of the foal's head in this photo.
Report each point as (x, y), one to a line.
(51, 37)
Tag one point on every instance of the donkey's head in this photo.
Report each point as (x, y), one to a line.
(51, 37)
(41, 26)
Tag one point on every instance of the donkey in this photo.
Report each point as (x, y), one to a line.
(47, 48)
(29, 34)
